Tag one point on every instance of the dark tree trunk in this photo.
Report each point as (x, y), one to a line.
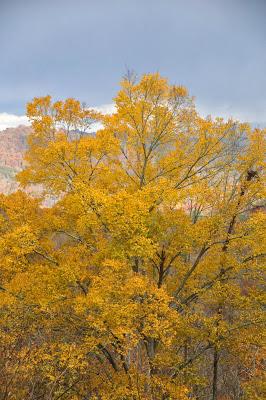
(215, 374)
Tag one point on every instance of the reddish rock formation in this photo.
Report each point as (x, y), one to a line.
(13, 144)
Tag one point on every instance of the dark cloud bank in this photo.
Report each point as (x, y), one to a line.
(82, 48)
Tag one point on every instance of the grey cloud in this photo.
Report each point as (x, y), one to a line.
(82, 48)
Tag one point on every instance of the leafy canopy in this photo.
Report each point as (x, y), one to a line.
(148, 267)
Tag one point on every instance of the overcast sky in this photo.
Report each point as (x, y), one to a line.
(82, 48)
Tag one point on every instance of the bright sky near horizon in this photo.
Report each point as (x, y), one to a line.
(82, 48)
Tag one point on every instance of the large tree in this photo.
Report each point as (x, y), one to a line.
(144, 278)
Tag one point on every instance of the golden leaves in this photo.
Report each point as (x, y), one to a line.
(151, 256)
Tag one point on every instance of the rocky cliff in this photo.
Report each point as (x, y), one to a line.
(13, 144)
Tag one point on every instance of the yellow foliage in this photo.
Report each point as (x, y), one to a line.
(150, 261)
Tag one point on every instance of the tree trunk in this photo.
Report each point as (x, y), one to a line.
(215, 374)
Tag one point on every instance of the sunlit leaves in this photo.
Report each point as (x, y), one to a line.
(148, 261)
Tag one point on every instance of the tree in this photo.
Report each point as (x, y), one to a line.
(145, 278)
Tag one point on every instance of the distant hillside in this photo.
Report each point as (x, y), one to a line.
(13, 144)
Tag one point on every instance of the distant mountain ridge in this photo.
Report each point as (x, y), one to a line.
(13, 144)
